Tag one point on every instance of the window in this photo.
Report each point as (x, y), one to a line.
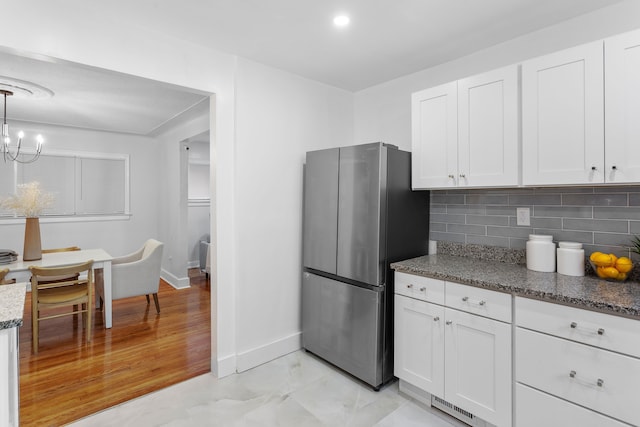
(82, 184)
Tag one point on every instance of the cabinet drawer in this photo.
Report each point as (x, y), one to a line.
(602, 330)
(495, 305)
(535, 409)
(572, 371)
(419, 287)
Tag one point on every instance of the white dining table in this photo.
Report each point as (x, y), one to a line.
(101, 259)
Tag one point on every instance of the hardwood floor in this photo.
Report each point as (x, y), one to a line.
(143, 352)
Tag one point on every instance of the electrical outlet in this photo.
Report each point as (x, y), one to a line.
(523, 216)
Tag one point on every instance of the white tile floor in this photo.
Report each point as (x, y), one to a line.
(296, 390)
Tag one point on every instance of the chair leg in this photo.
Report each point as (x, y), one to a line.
(148, 301)
(88, 320)
(34, 330)
(155, 299)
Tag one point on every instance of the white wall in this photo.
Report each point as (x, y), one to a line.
(65, 31)
(383, 112)
(279, 118)
(117, 237)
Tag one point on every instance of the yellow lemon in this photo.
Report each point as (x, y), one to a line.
(610, 272)
(594, 255)
(600, 272)
(622, 276)
(624, 264)
(613, 260)
(602, 260)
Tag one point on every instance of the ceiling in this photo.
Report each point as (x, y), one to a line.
(386, 39)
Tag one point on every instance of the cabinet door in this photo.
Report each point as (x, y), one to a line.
(434, 137)
(419, 344)
(478, 366)
(622, 104)
(488, 153)
(563, 117)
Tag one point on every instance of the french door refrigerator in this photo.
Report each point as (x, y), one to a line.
(360, 215)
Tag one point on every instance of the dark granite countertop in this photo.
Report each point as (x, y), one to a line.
(12, 305)
(587, 292)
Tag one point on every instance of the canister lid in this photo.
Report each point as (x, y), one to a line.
(570, 245)
(541, 237)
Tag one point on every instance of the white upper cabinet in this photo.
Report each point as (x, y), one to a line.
(465, 133)
(434, 122)
(488, 148)
(622, 106)
(563, 117)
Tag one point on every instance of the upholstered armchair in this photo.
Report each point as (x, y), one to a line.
(135, 274)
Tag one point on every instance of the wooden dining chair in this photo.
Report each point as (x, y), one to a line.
(3, 274)
(77, 291)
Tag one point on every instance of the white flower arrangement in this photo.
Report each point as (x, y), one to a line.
(29, 201)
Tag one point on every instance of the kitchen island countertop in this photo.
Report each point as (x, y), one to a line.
(12, 305)
(586, 292)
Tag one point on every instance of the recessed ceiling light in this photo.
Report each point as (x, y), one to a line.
(341, 21)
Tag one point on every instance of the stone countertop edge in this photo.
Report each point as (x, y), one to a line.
(591, 293)
(12, 305)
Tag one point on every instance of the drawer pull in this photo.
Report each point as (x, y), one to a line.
(599, 381)
(481, 302)
(422, 289)
(600, 331)
(435, 319)
(409, 286)
(448, 322)
(574, 325)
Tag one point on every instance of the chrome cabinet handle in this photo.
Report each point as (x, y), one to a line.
(409, 286)
(451, 176)
(422, 289)
(435, 319)
(462, 175)
(593, 168)
(481, 302)
(599, 381)
(614, 167)
(448, 322)
(599, 331)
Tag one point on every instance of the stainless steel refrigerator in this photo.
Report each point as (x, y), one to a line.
(360, 215)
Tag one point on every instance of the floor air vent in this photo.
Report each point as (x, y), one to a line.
(454, 411)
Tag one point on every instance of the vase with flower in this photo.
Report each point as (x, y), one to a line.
(30, 201)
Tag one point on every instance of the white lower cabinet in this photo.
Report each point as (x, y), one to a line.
(9, 375)
(478, 366)
(455, 355)
(534, 408)
(585, 364)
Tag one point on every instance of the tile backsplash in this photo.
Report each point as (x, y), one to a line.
(601, 218)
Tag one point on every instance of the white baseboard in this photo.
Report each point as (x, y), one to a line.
(414, 392)
(224, 366)
(176, 282)
(263, 354)
(193, 264)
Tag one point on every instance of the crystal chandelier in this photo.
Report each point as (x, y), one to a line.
(10, 152)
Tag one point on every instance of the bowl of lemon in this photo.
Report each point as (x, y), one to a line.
(610, 267)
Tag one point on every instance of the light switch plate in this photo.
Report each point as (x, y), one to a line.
(523, 216)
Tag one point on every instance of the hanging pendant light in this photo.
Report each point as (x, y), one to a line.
(12, 153)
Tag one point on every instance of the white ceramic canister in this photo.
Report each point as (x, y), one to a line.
(541, 253)
(570, 259)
